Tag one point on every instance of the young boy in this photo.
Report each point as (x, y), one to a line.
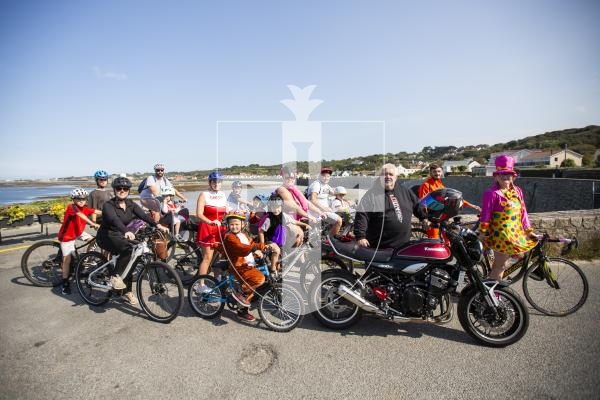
(240, 250)
(170, 211)
(73, 228)
(235, 200)
(100, 195)
(318, 194)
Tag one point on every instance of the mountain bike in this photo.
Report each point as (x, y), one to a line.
(41, 262)
(158, 287)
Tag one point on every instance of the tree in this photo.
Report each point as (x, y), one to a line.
(462, 168)
(568, 163)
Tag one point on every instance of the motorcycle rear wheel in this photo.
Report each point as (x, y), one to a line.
(478, 320)
(331, 310)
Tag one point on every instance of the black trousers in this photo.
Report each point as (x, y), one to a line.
(117, 244)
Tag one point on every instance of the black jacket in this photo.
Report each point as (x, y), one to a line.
(376, 218)
(115, 219)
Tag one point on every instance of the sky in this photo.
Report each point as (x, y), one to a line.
(122, 85)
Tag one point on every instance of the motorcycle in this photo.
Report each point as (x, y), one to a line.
(415, 283)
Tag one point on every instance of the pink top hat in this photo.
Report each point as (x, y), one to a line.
(505, 165)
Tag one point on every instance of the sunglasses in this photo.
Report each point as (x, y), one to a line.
(80, 199)
(102, 179)
(122, 189)
(159, 170)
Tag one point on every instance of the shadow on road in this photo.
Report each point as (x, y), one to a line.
(22, 281)
(372, 326)
(25, 238)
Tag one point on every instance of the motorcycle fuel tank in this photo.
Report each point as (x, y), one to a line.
(425, 251)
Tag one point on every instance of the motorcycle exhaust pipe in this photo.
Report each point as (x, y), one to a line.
(355, 298)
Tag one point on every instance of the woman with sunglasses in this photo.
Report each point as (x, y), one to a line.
(504, 223)
(113, 235)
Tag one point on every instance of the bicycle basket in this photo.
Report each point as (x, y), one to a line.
(160, 248)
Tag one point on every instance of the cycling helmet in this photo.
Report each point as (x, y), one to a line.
(159, 166)
(167, 191)
(120, 182)
(79, 193)
(341, 190)
(100, 174)
(235, 214)
(236, 184)
(215, 176)
(442, 204)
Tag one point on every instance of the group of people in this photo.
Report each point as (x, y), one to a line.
(383, 219)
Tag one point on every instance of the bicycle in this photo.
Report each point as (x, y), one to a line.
(158, 287)
(41, 262)
(280, 306)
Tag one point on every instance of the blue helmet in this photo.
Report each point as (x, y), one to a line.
(215, 175)
(101, 174)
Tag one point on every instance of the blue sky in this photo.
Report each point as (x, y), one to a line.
(120, 85)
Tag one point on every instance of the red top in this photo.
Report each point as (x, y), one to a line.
(73, 226)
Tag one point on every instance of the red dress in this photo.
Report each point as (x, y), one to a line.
(215, 207)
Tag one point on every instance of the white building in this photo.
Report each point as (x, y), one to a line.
(406, 171)
(468, 163)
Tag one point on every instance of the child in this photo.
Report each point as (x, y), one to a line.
(235, 200)
(170, 211)
(240, 250)
(100, 195)
(340, 204)
(73, 228)
(272, 226)
(257, 210)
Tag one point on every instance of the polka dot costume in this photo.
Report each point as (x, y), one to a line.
(506, 233)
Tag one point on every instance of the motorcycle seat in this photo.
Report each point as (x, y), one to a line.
(353, 250)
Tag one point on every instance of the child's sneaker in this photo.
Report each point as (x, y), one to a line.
(240, 298)
(245, 315)
(129, 298)
(66, 288)
(117, 283)
(179, 238)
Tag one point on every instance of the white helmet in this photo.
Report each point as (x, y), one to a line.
(79, 193)
(159, 166)
(340, 190)
(168, 190)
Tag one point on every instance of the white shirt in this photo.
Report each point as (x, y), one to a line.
(322, 190)
(244, 239)
(160, 184)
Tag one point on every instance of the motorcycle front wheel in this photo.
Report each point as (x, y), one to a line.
(494, 327)
(332, 310)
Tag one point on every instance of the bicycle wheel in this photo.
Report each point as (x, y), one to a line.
(88, 263)
(207, 305)
(160, 292)
(281, 308)
(561, 291)
(184, 259)
(313, 271)
(41, 264)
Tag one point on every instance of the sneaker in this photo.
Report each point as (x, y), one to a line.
(179, 238)
(203, 289)
(117, 283)
(129, 298)
(245, 315)
(240, 298)
(66, 288)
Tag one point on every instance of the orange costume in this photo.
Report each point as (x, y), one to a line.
(238, 249)
(429, 186)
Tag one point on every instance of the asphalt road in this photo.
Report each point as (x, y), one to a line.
(52, 346)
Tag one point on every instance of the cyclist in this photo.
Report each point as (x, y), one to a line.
(318, 193)
(235, 200)
(152, 188)
(240, 251)
(274, 225)
(73, 228)
(100, 195)
(170, 211)
(210, 209)
(434, 182)
(114, 236)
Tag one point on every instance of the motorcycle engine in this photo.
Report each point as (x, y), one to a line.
(438, 279)
(413, 300)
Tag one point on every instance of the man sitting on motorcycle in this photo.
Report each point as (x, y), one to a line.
(383, 216)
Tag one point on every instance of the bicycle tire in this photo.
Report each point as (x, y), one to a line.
(287, 308)
(207, 305)
(92, 295)
(184, 259)
(41, 264)
(562, 272)
(311, 271)
(159, 289)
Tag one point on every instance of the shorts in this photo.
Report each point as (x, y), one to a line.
(151, 204)
(69, 247)
(209, 234)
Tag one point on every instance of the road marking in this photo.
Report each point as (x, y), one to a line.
(15, 248)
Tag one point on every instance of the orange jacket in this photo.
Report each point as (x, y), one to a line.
(235, 250)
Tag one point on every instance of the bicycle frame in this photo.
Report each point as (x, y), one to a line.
(138, 250)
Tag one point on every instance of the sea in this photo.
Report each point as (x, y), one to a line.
(20, 194)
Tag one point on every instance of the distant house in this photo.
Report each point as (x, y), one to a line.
(468, 163)
(534, 158)
(406, 171)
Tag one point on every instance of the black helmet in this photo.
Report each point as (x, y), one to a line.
(120, 182)
(442, 204)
